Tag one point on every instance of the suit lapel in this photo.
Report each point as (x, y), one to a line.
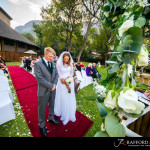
(45, 66)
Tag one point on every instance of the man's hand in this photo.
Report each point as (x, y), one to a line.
(54, 87)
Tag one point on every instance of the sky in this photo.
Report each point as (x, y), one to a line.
(23, 11)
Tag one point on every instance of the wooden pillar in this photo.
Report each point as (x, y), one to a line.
(0, 44)
(16, 46)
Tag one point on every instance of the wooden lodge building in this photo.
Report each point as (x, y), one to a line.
(12, 44)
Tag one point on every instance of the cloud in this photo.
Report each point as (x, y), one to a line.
(23, 11)
(17, 2)
(14, 24)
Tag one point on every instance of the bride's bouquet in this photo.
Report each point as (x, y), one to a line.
(69, 80)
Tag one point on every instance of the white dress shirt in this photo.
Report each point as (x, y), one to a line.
(46, 61)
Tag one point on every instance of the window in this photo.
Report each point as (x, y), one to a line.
(21, 45)
(9, 42)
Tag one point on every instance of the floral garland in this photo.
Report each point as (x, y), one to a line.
(118, 91)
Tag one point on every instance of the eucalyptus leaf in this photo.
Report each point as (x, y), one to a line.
(90, 98)
(127, 57)
(113, 127)
(100, 100)
(140, 22)
(101, 108)
(114, 68)
(101, 134)
(133, 31)
(127, 37)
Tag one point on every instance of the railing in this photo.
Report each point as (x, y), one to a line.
(13, 56)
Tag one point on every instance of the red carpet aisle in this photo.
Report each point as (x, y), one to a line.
(26, 88)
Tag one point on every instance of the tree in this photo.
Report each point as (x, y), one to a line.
(99, 42)
(90, 12)
(63, 19)
(29, 36)
(37, 28)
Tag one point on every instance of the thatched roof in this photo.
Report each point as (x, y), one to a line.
(5, 13)
(9, 33)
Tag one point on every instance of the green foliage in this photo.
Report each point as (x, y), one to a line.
(61, 27)
(101, 108)
(113, 126)
(101, 134)
(29, 36)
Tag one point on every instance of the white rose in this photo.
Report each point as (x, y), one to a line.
(142, 58)
(109, 101)
(125, 26)
(128, 101)
(69, 80)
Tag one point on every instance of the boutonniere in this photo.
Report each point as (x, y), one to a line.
(54, 67)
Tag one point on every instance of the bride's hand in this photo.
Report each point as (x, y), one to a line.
(69, 88)
(63, 81)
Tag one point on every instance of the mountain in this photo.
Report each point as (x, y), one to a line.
(28, 27)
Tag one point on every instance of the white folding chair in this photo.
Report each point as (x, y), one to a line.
(4, 86)
(6, 108)
(89, 80)
(1, 73)
(81, 79)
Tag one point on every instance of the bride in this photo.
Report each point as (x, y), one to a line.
(65, 101)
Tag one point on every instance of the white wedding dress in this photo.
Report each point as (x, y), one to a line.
(65, 103)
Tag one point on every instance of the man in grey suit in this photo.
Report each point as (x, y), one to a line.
(47, 76)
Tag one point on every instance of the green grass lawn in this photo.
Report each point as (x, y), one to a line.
(19, 128)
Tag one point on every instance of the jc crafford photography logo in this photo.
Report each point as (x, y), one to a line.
(132, 143)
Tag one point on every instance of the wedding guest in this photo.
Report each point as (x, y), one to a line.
(24, 62)
(82, 66)
(32, 64)
(90, 71)
(38, 58)
(28, 63)
(55, 58)
(95, 71)
(76, 59)
(3, 61)
(3, 67)
(78, 67)
(76, 81)
(99, 64)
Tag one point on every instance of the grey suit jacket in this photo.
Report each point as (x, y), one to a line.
(45, 79)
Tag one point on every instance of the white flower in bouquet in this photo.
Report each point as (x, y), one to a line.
(110, 101)
(69, 80)
(142, 58)
(125, 26)
(128, 101)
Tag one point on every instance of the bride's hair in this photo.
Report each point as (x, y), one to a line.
(67, 54)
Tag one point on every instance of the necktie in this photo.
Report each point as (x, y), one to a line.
(50, 67)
